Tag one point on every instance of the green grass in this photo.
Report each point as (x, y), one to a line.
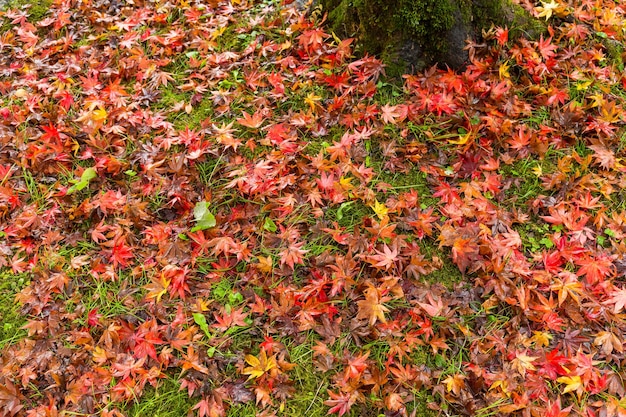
(449, 274)
(167, 400)
(10, 317)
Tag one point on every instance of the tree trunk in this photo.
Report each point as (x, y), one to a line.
(410, 35)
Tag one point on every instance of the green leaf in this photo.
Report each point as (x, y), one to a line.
(341, 208)
(203, 217)
(235, 298)
(210, 352)
(201, 322)
(547, 242)
(609, 232)
(269, 225)
(88, 175)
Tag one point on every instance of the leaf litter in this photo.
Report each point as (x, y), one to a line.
(107, 173)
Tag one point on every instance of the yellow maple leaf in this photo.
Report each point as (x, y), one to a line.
(259, 366)
(312, 100)
(380, 209)
(541, 338)
(547, 9)
(99, 115)
(345, 183)
(504, 70)
(463, 139)
(454, 383)
(572, 383)
(504, 386)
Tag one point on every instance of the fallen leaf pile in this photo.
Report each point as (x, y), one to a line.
(193, 188)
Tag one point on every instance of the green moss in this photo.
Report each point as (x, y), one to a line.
(421, 32)
(615, 52)
(37, 9)
(426, 20)
(522, 23)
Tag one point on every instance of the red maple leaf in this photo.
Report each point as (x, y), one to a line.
(341, 403)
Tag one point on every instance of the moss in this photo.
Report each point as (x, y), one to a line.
(522, 23)
(426, 20)
(615, 52)
(410, 33)
(37, 8)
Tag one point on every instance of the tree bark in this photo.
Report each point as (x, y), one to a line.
(411, 35)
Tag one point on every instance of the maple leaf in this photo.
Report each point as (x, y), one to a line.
(380, 209)
(603, 156)
(618, 299)
(572, 383)
(372, 307)
(555, 409)
(121, 253)
(10, 398)
(311, 40)
(292, 255)
(553, 364)
(385, 259)
(609, 342)
(255, 121)
(523, 362)
(341, 403)
(229, 318)
(594, 268)
(311, 99)
(211, 406)
(569, 286)
(157, 288)
(393, 114)
(546, 9)
(463, 251)
(434, 308)
(455, 383)
(355, 367)
(260, 365)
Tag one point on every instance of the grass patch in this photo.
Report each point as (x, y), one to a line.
(523, 179)
(348, 214)
(449, 274)
(167, 400)
(10, 317)
(414, 179)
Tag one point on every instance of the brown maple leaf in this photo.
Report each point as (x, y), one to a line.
(372, 307)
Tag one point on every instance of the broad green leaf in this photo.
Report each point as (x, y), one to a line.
(203, 217)
(201, 322)
(88, 175)
(269, 225)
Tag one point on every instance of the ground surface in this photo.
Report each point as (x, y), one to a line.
(216, 208)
